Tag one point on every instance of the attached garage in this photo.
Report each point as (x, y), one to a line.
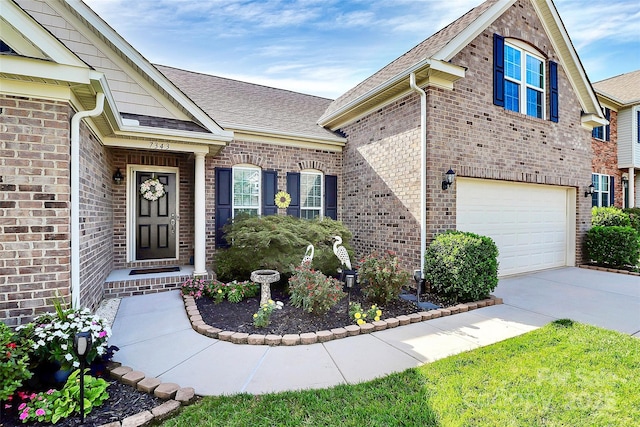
(533, 225)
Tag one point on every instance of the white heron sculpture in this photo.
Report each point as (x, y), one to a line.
(308, 255)
(341, 252)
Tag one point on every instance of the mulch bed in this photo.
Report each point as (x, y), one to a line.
(123, 402)
(238, 317)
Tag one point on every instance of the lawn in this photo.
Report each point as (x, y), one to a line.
(564, 374)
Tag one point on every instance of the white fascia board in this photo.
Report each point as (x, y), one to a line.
(36, 35)
(465, 37)
(289, 135)
(45, 69)
(455, 72)
(145, 66)
(170, 146)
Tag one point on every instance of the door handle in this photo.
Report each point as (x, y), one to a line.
(172, 222)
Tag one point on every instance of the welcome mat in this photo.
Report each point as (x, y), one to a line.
(156, 270)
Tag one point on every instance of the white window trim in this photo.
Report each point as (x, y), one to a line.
(599, 192)
(233, 204)
(604, 127)
(316, 173)
(527, 50)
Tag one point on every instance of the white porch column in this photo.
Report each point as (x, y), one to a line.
(632, 188)
(199, 232)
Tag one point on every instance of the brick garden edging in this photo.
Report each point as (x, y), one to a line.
(610, 270)
(323, 336)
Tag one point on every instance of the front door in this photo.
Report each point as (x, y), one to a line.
(156, 219)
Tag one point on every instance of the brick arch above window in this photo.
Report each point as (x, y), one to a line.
(311, 165)
(248, 159)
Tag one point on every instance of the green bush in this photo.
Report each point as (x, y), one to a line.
(313, 291)
(381, 278)
(276, 242)
(613, 246)
(634, 217)
(14, 360)
(609, 216)
(462, 266)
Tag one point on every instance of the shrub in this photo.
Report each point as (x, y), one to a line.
(361, 316)
(613, 246)
(381, 279)
(634, 217)
(313, 291)
(609, 216)
(14, 360)
(262, 317)
(276, 242)
(462, 266)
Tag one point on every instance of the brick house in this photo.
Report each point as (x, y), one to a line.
(85, 120)
(616, 152)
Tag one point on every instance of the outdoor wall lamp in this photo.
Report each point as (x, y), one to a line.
(590, 190)
(82, 347)
(117, 177)
(449, 177)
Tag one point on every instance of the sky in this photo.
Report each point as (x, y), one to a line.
(326, 47)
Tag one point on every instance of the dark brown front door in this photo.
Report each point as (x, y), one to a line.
(156, 220)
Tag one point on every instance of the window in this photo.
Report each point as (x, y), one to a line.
(523, 82)
(638, 124)
(246, 190)
(310, 195)
(602, 132)
(602, 190)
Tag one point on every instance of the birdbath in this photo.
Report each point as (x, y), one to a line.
(265, 278)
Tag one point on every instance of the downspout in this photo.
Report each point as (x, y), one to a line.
(423, 169)
(75, 196)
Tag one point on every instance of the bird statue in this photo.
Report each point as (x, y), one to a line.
(341, 252)
(308, 255)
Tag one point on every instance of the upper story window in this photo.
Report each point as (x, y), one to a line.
(311, 195)
(602, 186)
(638, 125)
(522, 78)
(246, 190)
(603, 132)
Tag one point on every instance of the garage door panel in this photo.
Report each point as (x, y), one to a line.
(527, 222)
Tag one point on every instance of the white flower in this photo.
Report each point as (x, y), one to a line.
(76, 364)
(100, 350)
(64, 347)
(41, 343)
(68, 356)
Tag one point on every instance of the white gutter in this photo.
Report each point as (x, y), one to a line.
(75, 196)
(423, 169)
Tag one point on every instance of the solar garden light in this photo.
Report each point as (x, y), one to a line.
(82, 347)
(417, 276)
(349, 280)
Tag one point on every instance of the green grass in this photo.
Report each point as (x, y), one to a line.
(564, 374)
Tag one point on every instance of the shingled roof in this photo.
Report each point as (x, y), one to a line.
(240, 105)
(624, 88)
(427, 49)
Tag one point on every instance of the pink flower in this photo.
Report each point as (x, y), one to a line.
(33, 396)
(40, 412)
(102, 334)
(50, 391)
(24, 415)
(22, 406)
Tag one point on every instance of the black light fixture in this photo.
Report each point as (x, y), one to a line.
(590, 190)
(417, 276)
(82, 346)
(449, 177)
(118, 177)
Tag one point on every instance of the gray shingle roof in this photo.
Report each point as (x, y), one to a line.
(427, 49)
(625, 87)
(233, 103)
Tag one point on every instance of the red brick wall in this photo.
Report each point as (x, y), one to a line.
(34, 206)
(466, 132)
(605, 157)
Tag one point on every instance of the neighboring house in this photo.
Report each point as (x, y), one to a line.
(616, 146)
(86, 120)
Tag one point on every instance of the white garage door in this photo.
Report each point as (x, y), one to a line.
(531, 224)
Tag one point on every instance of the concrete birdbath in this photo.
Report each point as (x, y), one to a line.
(265, 278)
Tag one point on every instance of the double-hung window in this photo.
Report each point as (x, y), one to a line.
(602, 132)
(311, 195)
(246, 190)
(602, 189)
(524, 81)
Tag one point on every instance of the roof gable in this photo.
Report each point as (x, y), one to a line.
(623, 89)
(429, 57)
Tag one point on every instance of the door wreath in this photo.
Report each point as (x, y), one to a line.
(152, 189)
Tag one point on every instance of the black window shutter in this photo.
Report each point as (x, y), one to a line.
(498, 70)
(553, 95)
(638, 126)
(223, 204)
(269, 190)
(612, 192)
(607, 128)
(293, 188)
(331, 196)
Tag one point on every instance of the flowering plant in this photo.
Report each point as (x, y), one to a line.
(381, 277)
(13, 362)
(361, 316)
(233, 291)
(194, 286)
(283, 199)
(313, 291)
(152, 189)
(263, 316)
(53, 333)
(216, 290)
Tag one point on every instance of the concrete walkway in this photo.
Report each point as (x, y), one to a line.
(155, 336)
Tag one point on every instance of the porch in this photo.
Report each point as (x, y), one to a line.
(138, 281)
